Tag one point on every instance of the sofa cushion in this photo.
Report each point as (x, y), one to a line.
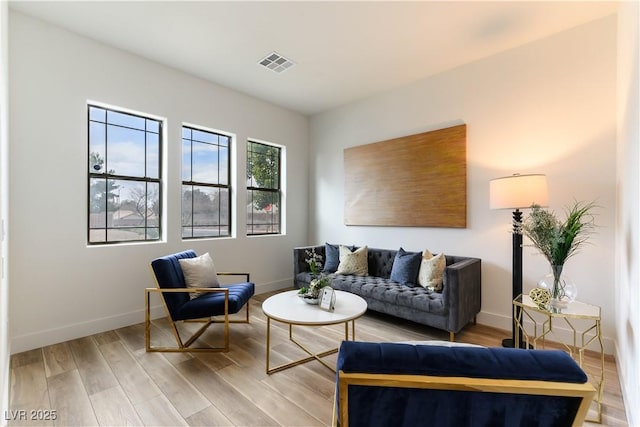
(353, 262)
(431, 270)
(380, 262)
(389, 292)
(405, 267)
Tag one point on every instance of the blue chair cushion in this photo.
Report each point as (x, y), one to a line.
(473, 362)
(169, 275)
(212, 304)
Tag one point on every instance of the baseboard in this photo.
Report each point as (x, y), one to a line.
(632, 411)
(263, 288)
(560, 332)
(94, 326)
(74, 331)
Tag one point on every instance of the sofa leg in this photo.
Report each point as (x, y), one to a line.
(452, 336)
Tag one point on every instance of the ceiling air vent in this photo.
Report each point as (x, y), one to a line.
(276, 62)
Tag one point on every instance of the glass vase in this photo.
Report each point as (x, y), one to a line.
(561, 288)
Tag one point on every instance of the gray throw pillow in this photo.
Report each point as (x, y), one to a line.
(331, 258)
(406, 266)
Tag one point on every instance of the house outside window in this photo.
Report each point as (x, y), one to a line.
(264, 193)
(124, 177)
(206, 168)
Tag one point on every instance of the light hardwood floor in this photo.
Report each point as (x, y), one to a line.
(108, 379)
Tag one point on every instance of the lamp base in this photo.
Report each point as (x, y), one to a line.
(508, 343)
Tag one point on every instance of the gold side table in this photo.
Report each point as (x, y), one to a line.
(542, 322)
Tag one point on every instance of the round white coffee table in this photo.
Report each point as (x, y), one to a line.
(288, 307)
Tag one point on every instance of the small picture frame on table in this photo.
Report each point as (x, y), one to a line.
(327, 299)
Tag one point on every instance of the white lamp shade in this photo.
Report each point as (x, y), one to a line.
(518, 191)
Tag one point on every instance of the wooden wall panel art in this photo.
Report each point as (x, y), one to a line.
(413, 181)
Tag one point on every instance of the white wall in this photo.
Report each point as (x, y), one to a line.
(628, 185)
(546, 107)
(62, 289)
(4, 210)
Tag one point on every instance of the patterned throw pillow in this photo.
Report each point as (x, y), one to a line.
(353, 262)
(199, 272)
(431, 270)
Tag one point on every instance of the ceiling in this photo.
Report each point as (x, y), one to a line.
(343, 51)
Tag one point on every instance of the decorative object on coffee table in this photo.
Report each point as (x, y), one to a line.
(558, 241)
(308, 298)
(311, 294)
(517, 192)
(327, 299)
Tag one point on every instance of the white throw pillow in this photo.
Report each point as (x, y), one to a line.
(431, 270)
(199, 272)
(353, 262)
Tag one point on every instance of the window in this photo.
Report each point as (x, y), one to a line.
(263, 188)
(124, 177)
(206, 204)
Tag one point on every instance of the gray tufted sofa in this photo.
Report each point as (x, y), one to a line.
(449, 310)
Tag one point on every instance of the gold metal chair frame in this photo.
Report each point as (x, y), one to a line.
(544, 388)
(185, 346)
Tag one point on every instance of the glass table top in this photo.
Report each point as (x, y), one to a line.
(575, 309)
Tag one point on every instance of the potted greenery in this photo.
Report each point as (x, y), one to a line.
(559, 240)
(318, 279)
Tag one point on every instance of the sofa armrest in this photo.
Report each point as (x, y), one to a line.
(462, 292)
(300, 264)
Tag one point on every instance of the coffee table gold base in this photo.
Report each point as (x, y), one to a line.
(312, 356)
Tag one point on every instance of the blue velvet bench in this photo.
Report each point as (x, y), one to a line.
(394, 384)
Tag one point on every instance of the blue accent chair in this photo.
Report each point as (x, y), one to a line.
(222, 301)
(394, 384)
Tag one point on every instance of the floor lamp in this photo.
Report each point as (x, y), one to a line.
(517, 192)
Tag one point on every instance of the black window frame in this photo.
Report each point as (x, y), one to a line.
(107, 176)
(275, 190)
(193, 184)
